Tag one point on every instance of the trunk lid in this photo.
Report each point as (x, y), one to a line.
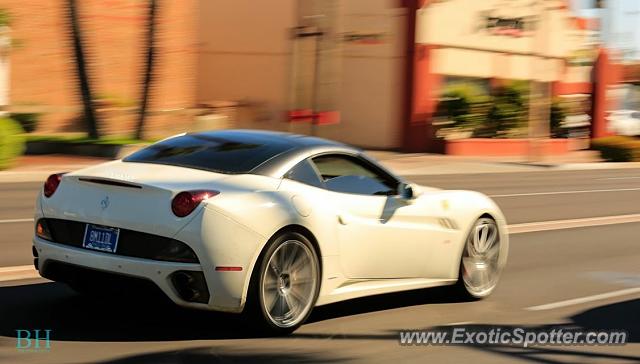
(135, 196)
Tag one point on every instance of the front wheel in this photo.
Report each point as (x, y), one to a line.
(483, 258)
(286, 284)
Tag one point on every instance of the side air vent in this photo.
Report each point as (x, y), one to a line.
(109, 182)
(448, 223)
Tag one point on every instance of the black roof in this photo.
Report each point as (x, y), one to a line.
(234, 151)
(248, 135)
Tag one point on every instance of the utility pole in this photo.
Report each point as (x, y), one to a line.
(540, 89)
(316, 34)
(535, 97)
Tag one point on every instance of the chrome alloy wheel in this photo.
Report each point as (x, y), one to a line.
(289, 283)
(480, 258)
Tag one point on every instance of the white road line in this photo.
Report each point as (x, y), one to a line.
(616, 178)
(581, 300)
(564, 192)
(523, 227)
(18, 273)
(461, 323)
(11, 221)
(27, 271)
(530, 227)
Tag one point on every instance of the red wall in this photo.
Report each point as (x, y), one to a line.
(421, 86)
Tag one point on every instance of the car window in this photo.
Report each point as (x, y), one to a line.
(305, 173)
(223, 152)
(347, 174)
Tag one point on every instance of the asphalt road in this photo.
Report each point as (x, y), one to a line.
(545, 268)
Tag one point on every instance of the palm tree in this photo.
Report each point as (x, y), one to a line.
(81, 70)
(148, 68)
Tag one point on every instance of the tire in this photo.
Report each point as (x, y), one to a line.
(285, 285)
(483, 257)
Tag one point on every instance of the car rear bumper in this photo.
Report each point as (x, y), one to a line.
(217, 241)
(52, 255)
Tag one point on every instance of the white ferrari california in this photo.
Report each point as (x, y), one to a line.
(266, 223)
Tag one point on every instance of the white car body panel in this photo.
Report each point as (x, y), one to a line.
(367, 244)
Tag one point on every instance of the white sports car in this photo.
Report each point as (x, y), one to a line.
(624, 122)
(268, 223)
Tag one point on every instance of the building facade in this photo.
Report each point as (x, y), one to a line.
(366, 72)
(43, 78)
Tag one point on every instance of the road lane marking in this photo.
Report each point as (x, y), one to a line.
(615, 178)
(461, 323)
(564, 192)
(11, 221)
(526, 227)
(18, 273)
(530, 227)
(581, 300)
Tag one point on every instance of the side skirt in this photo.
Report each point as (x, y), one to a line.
(367, 287)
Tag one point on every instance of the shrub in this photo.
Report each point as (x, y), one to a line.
(5, 18)
(507, 112)
(557, 115)
(11, 141)
(618, 148)
(28, 120)
(469, 106)
(464, 104)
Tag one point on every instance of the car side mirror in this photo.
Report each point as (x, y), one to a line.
(405, 191)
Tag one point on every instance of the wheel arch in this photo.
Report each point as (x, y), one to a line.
(466, 231)
(493, 215)
(487, 215)
(293, 228)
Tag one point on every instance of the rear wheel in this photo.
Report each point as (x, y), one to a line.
(481, 262)
(286, 284)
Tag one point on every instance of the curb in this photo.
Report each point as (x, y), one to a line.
(24, 177)
(113, 151)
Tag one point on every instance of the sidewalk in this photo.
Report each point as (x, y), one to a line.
(434, 164)
(37, 168)
(431, 164)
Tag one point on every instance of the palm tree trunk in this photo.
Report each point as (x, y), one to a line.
(81, 70)
(148, 69)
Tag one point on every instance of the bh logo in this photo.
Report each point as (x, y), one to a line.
(33, 340)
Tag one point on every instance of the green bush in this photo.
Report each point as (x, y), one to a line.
(557, 115)
(507, 112)
(5, 18)
(464, 103)
(618, 148)
(11, 142)
(28, 120)
(499, 113)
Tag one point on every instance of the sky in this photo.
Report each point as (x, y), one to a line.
(582, 4)
(620, 21)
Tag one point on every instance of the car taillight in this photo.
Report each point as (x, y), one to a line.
(52, 183)
(185, 202)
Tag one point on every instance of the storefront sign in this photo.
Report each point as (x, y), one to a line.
(516, 26)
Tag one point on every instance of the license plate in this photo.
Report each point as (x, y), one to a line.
(101, 238)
